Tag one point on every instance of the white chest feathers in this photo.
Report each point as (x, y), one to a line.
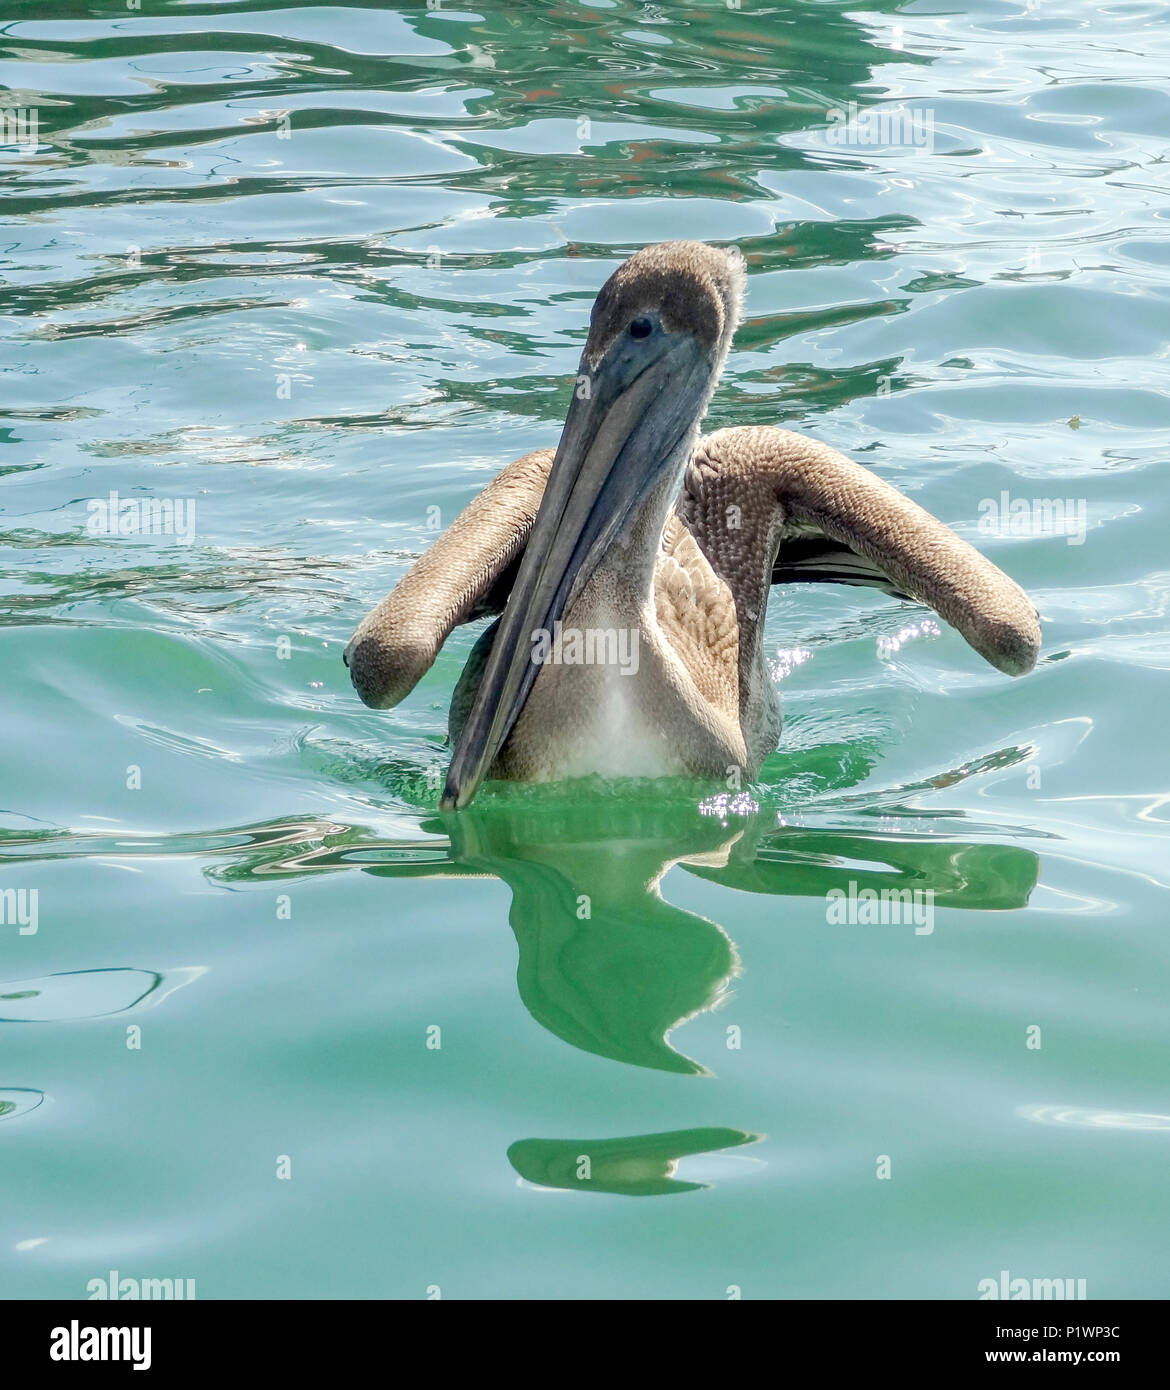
(597, 690)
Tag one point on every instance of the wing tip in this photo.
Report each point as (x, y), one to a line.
(382, 673)
(1013, 646)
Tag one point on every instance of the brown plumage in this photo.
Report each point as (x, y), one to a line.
(601, 538)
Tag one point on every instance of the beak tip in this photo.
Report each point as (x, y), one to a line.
(457, 795)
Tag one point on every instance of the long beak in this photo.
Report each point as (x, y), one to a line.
(619, 440)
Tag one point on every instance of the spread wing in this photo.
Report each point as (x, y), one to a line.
(466, 573)
(768, 506)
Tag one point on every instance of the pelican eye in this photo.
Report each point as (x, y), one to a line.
(641, 328)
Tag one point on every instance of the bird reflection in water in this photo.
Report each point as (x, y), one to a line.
(611, 967)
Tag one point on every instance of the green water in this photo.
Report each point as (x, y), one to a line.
(322, 270)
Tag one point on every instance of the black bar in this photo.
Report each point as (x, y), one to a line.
(300, 1338)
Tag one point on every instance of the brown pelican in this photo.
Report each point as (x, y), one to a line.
(597, 549)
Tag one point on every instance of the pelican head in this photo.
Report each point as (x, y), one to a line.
(658, 337)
